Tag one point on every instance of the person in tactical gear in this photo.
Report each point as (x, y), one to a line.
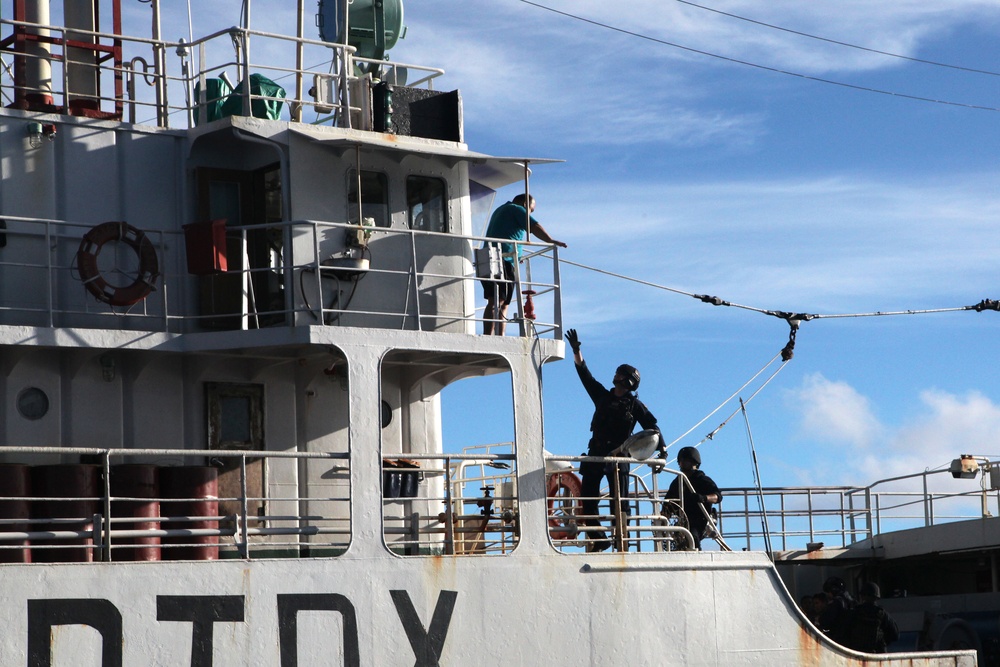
(704, 494)
(616, 412)
(836, 616)
(870, 628)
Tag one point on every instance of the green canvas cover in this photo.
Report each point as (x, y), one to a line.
(259, 85)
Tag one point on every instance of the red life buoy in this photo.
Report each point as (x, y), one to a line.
(563, 492)
(97, 284)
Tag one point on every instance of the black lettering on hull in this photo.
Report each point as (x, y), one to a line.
(426, 644)
(98, 614)
(288, 632)
(203, 612)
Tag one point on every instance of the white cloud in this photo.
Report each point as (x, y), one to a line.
(839, 426)
(835, 413)
(951, 425)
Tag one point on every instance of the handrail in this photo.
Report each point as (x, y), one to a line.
(217, 47)
(101, 533)
(842, 516)
(301, 279)
(642, 528)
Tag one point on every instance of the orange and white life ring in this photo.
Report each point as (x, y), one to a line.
(97, 284)
(563, 491)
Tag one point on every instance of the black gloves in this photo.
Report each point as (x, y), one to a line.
(702, 498)
(573, 340)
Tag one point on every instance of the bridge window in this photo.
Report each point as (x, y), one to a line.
(425, 202)
(374, 197)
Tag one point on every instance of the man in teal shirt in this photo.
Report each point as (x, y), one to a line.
(509, 222)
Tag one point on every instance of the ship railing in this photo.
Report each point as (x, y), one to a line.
(137, 77)
(456, 503)
(43, 286)
(808, 518)
(113, 507)
(649, 520)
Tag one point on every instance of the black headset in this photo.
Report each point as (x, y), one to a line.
(630, 374)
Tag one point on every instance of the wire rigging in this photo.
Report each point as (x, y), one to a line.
(776, 70)
(757, 483)
(840, 43)
(794, 321)
(722, 405)
(792, 318)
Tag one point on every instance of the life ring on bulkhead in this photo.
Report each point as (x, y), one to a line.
(563, 491)
(94, 280)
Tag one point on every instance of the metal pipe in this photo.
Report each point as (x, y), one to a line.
(36, 63)
(81, 62)
(296, 107)
(244, 545)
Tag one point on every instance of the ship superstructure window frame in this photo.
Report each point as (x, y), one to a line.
(374, 197)
(427, 203)
(449, 473)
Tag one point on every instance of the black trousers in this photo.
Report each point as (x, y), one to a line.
(593, 473)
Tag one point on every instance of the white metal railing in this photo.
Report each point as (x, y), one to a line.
(462, 504)
(45, 269)
(653, 522)
(455, 504)
(154, 80)
(839, 516)
(204, 516)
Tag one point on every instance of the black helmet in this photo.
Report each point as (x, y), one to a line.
(689, 453)
(834, 585)
(870, 588)
(631, 375)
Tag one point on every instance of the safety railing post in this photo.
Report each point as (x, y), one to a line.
(449, 512)
(97, 536)
(415, 276)
(557, 296)
(927, 502)
(245, 506)
(106, 464)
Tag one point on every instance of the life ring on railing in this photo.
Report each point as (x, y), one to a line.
(563, 491)
(97, 284)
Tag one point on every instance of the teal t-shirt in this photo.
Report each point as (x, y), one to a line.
(508, 222)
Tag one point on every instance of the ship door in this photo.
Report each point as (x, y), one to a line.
(236, 422)
(250, 294)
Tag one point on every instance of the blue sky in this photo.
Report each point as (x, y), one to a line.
(775, 191)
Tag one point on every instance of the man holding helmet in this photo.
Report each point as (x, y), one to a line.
(697, 502)
(616, 412)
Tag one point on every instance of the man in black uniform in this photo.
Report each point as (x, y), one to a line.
(704, 495)
(616, 412)
(835, 620)
(871, 629)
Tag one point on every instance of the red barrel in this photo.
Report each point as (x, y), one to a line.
(74, 491)
(196, 489)
(15, 485)
(135, 481)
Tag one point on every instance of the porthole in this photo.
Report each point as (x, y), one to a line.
(32, 403)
